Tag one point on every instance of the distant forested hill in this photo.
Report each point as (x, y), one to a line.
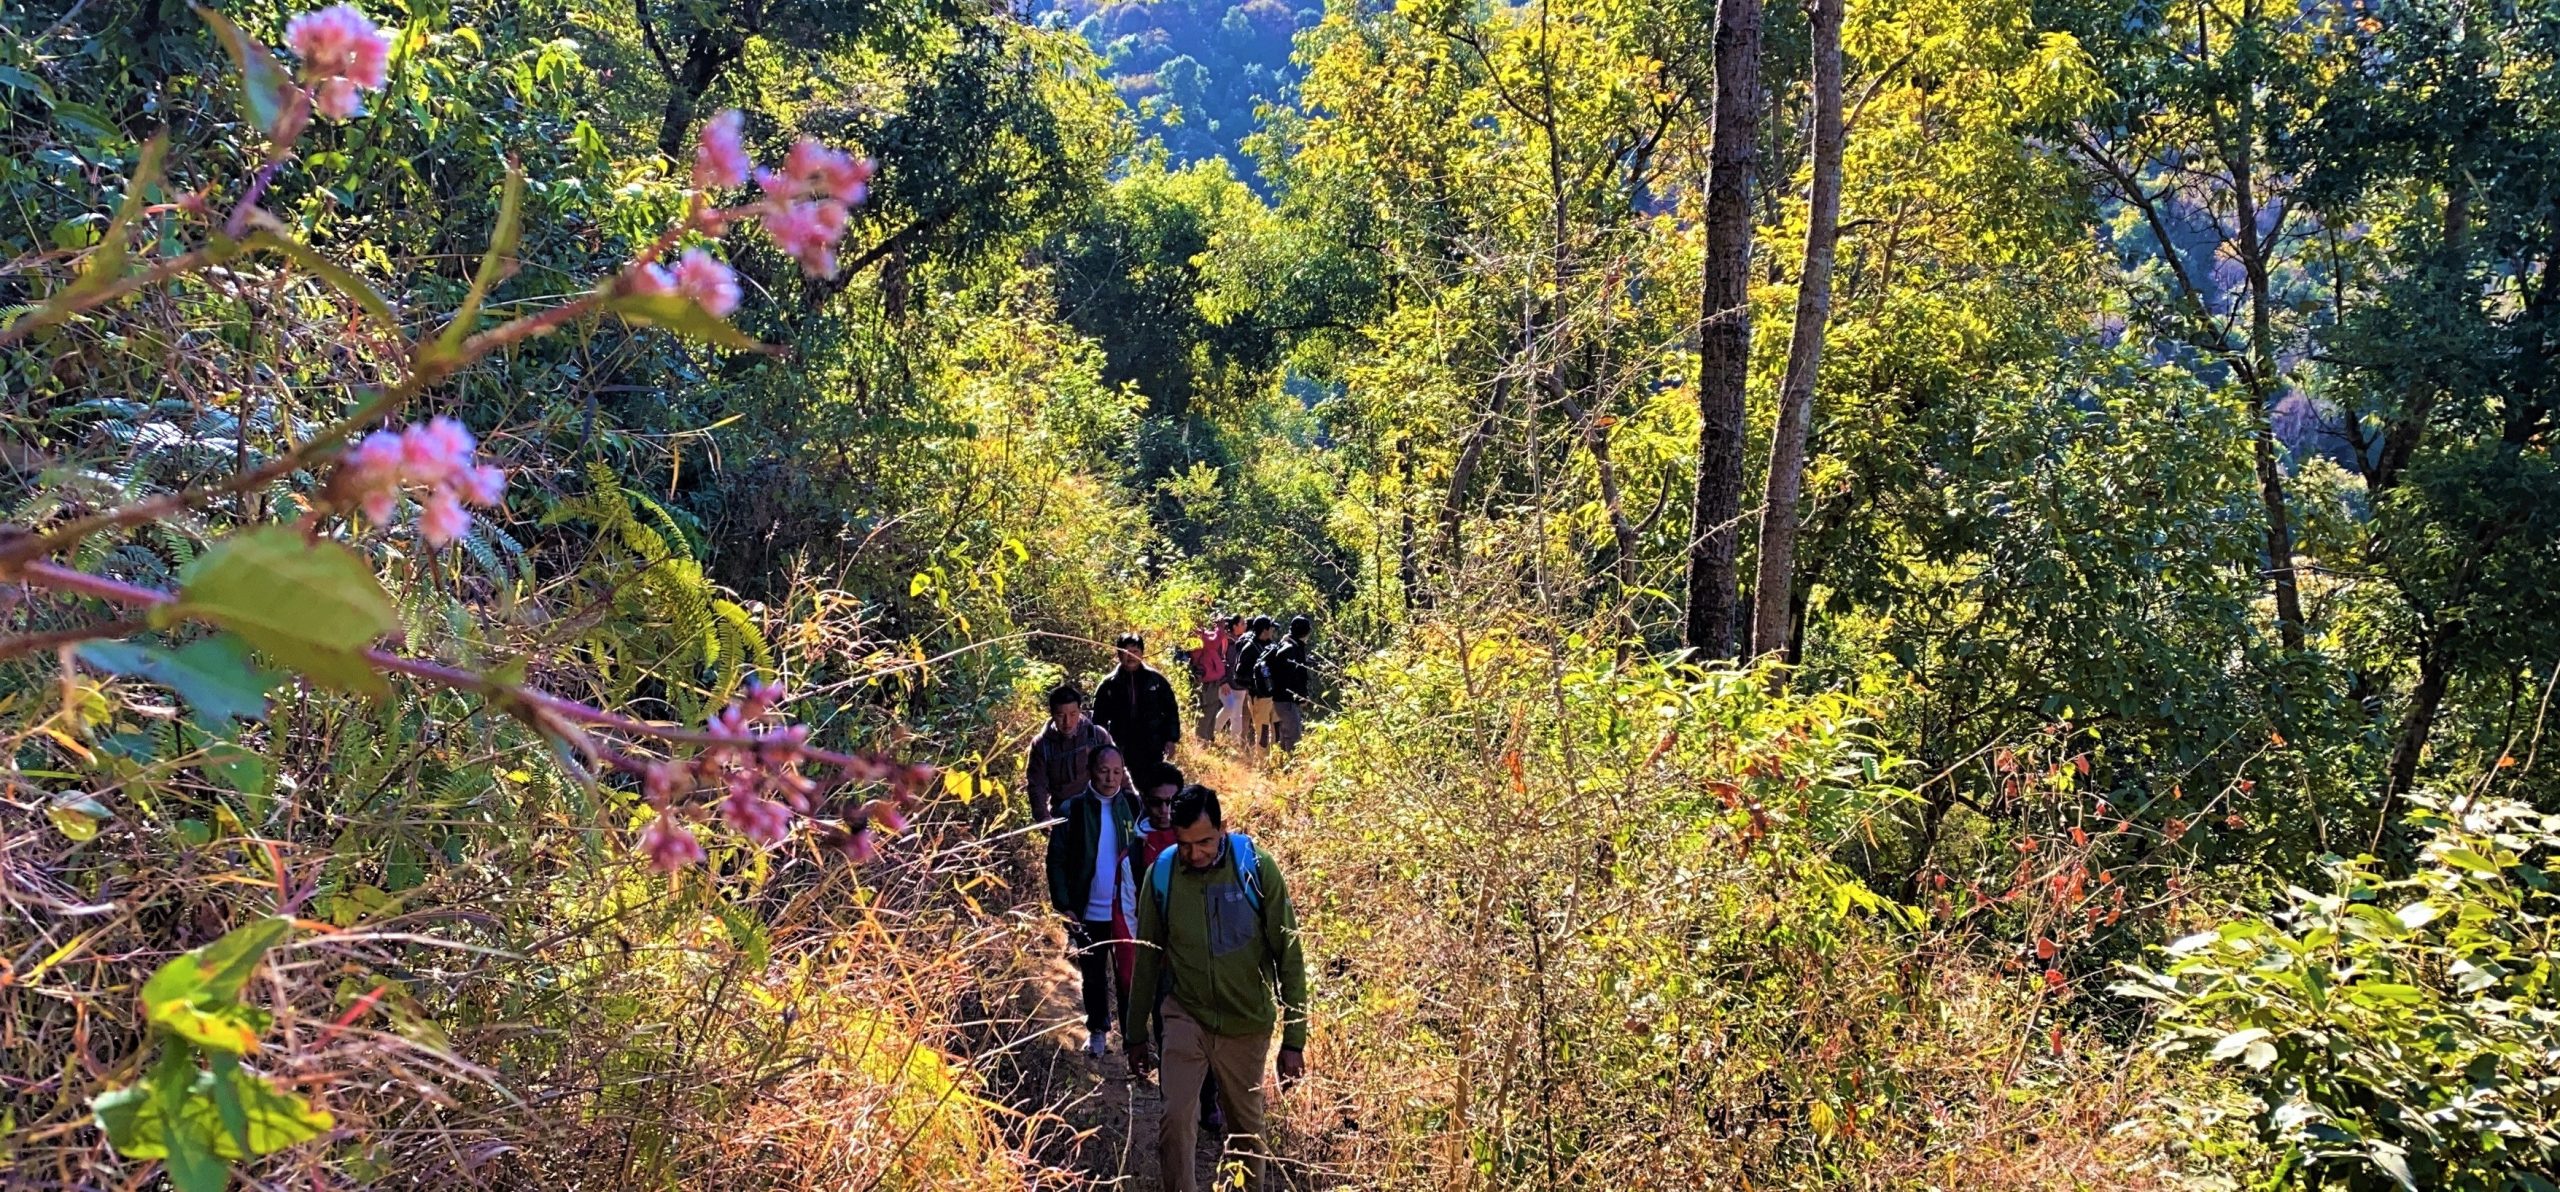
(1194, 69)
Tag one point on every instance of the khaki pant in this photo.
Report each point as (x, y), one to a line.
(1259, 715)
(1191, 1053)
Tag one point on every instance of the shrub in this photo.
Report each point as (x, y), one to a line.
(2397, 1030)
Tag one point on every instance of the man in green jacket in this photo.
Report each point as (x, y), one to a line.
(1213, 941)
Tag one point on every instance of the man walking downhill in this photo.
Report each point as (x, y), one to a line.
(1155, 837)
(1216, 934)
(1061, 753)
(1287, 663)
(1249, 671)
(1091, 884)
(1135, 701)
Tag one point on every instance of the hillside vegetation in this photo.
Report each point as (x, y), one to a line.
(1909, 594)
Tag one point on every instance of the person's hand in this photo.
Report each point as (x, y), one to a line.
(1293, 1067)
(1142, 1057)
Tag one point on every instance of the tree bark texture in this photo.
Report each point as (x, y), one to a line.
(1724, 335)
(1784, 494)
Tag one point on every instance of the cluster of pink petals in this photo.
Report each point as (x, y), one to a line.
(808, 203)
(439, 455)
(761, 791)
(696, 276)
(342, 54)
(721, 159)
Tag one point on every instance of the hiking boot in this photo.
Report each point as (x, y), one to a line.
(1098, 1044)
(1213, 1121)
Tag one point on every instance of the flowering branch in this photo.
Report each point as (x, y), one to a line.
(744, 762)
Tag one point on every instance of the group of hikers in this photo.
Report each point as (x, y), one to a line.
(1181, 929)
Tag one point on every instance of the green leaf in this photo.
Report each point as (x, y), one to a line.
(2418, 914)
(495, 264)
(106, 265)
(196, 995)
(268, 95)
(203, 1104)
(214, 675)
(73, 822)
(313, 606)
(338, 276)
(746, 934)
(2393, 1161)
(2238, 1041)
(226, 1100)
(2463, 858)
(685, 317)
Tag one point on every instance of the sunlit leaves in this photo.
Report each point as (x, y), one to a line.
(312, 606)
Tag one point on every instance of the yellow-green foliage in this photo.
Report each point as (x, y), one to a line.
(666, 613)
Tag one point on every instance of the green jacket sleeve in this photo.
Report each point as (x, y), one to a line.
(1280, 924)
(1143, 997)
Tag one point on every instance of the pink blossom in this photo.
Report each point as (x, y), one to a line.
(808, 232)
(443, 522)
(710, 284)
(434, 451)
(342, 52)
(669, 845)
(379, 505)
(337, 99)
(483, 485)
(812, 169)
(885, 812)
(720, 160)
(650, 281)
(661, 782)
(758, 819)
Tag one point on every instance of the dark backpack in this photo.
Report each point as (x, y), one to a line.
(1257, 674)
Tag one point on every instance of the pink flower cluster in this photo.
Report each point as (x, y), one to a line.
(697, 276)
(437, 454)
(760, 790)
(342, 53)
(808, 203)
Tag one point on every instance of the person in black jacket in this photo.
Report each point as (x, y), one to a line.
(1135, 703)
(1287, 663)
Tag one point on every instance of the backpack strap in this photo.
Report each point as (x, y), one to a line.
(1248, 874)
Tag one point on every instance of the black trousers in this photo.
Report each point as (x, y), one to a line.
(1092, 941)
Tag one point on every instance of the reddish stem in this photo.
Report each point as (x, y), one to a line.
(55, 577)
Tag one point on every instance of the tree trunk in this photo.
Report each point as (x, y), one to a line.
(2416, 724)
(1724, 334)
(2256, 246)
(1771, 628)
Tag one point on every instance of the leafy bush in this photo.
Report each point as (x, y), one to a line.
(2399, 1030)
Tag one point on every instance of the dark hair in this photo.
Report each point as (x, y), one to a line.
(1301, 625)
(1259, 623)
(1196, 801)
(1131, 640)
(1166, 774)
(1063, 694)
(1234, 619)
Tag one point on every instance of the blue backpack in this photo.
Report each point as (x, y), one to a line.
(1248, 874)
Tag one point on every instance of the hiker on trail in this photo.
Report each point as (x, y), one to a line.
(1286, 662)
(1135, 701)
(1155, 836)
(1248, 670)
(1091, 883)
(1216, 934)
(1209, 675)
(1230, 723)
(1061, 753)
